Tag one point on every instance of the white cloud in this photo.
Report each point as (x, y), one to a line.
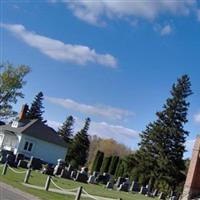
(166, 30)
(60, 51)
(95, 12)
(97, 110)
(104, 130)
(163, 30)
(197, 117)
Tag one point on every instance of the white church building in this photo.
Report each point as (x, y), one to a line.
(32, 138)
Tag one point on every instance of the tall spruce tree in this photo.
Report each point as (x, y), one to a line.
(162, 143)
(36, 110)
(66, 130)
(78, 151)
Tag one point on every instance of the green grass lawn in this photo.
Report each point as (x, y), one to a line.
(39, 179)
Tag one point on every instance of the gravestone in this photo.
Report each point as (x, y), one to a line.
(120, 180)
(23, 164)
(35, 163)
(10, 159)
(48, 170)
(4, 153)
(109, 185)
(155, 193)
(65, 173)
(91, 179)
(81, 177)
(73, 174)
(143, 190)
(161, 196)
(134, 187)
(59, 167)
(95, 174)
(125, 185)
(19, 156)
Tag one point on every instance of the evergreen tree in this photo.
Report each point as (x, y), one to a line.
(66, 129)
(106, 164)
(78, 151)
(36, 109)
(98, 161)
(162, 143)
(113, 164)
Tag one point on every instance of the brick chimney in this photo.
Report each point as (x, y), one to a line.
(22, 114)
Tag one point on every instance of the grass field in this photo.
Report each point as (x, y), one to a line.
(39, 179)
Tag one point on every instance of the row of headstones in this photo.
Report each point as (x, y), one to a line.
(123, 184)
(19, 160)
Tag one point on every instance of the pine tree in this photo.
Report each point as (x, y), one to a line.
(36, 109)
(162, 143)
(66, 129)
(98, 161)
(78, 151)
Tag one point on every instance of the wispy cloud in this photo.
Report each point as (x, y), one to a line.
(197, 117)
(104, 130)
(97, 110)
(60, 51)
(166, 30)
(163, 30)
(96, 12)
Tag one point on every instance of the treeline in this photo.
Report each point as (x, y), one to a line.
(159, 160)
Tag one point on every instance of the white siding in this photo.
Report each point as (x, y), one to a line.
(48, 152)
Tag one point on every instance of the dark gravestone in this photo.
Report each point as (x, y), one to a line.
(35, 163)
(95, 174)
(125, 186)
(59, 167)
(91, 179)
(19, 156)
(23, 164)
(109, 185)
(134, 187)
(73, 174)
(48, 169)
(161, 196)
(106, 178)
(10, 159)
(81, 177)
(65, 174)
(155, 193)
(120, 180)
(69, 168)
(3, 155)
(143, 190)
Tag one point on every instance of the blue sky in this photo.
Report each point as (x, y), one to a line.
(113, 61)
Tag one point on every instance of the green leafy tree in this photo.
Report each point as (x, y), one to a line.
(162, 143)
(78, 151)
(66, 130)
(11, 83)
(37, 109)
(98, 161)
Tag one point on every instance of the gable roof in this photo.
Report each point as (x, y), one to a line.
(37, 129)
